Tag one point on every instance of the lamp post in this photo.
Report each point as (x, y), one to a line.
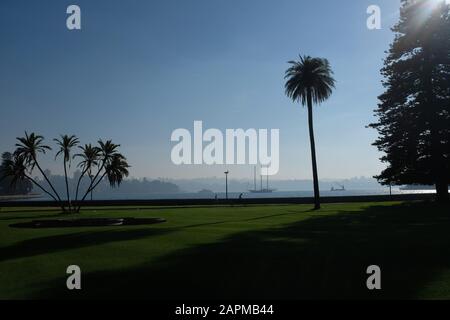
(226, 184)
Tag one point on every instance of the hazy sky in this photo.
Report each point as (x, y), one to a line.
(140, 69)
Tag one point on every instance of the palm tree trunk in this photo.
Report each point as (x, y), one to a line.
(92, 181)
(67, 185)
(92, 195)
(313, 153)
(78, 185)
(91, 187)
(40, 187)
(43, 189)
(49, 183)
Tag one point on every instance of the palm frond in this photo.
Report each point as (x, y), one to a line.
(309, 75)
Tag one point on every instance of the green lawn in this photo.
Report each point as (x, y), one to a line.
(282, 252)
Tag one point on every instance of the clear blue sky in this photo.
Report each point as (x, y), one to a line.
(140, 69)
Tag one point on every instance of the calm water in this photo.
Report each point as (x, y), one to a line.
(231, 195)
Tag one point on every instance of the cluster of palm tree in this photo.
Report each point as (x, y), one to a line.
(309, 81)
(96, 162)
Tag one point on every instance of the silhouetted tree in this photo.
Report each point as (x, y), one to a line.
(111, 164)
(89, 159)
(309, 81)
(7, 184)
(414, 111)
(16, 169)
(28, 149)
(66, 144)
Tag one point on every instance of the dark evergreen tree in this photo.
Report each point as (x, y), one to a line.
(414, 111)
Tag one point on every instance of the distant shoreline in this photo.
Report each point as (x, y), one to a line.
(231, 194)
(19, 197)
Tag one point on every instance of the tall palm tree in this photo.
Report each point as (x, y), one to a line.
(310, 80)
(28, 148)
(66, 144)
(89, 159)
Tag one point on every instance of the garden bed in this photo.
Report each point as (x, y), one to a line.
(87, 222)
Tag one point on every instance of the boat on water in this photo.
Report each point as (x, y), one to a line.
(340, 188)
(264, 190)
(416, 187)
(261, 190)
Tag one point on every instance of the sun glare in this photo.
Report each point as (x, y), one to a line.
(434, 3)
(427, 8)
(439, 1)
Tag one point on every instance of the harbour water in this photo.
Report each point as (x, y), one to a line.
(245, 195)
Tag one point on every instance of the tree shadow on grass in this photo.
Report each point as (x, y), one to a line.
(55, 243)
(289, 213)
(51, 244)
(11, 218)
(321, 257)
(35, 210)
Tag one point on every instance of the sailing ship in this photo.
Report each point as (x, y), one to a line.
(341, 188)
(261, 190)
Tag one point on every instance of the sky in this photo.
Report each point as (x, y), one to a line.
(137, 70)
